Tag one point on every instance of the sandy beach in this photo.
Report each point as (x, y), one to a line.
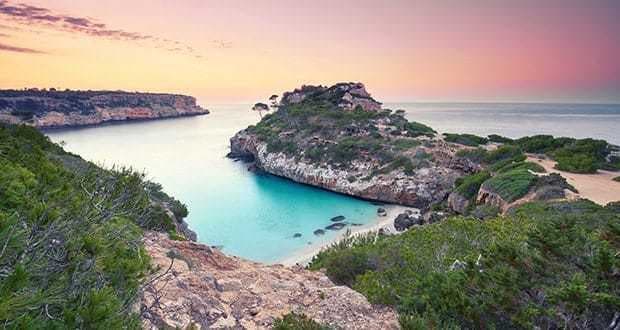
(305, 256)
(599, 187)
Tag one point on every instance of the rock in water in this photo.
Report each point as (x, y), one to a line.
(319, 232)
(381, 212)
(297, 235)
(338, 218)
(336, 226)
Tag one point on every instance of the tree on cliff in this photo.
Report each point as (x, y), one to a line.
(260, 107)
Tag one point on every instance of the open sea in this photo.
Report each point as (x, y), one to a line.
(256, 216)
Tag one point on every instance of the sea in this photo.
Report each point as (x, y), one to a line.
(260, 216)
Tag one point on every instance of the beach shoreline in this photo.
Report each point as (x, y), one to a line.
(304, 256)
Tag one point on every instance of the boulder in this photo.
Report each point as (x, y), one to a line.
(458, 203)
(381, 212)
(338, 218)
(434, 216)
(336, 226)
(405, 220)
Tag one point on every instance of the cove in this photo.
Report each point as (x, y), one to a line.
(254, 216)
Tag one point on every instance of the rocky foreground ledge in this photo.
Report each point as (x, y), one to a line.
(199, 286)
(56, 109)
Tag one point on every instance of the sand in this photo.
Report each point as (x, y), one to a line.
(599, 187)
(387, 222)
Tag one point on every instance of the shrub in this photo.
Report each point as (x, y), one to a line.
(522, 165)
(415, 129)
(511, 185)
(293, 321)
(503, 153)
(499, 139)
(476, 155)
(617, 179)
(560, 251)
(466, 139)
(468, 186)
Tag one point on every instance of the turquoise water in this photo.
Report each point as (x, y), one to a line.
(248, 215)
(256, 216)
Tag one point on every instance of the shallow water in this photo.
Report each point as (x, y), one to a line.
(249, 215)
(256, 216)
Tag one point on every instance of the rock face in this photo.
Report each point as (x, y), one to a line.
(52, 109)
(207, 289)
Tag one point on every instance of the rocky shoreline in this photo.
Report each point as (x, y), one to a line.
(69, 109)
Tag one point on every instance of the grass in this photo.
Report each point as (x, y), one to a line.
(545, 265)
(293, 321)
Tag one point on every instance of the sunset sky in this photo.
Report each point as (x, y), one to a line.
(243, 51)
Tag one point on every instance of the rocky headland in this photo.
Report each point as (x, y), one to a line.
(339, 138)
(54, 109)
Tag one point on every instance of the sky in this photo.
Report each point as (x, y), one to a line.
(233, 51)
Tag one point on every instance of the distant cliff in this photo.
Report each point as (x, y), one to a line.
(51, 109)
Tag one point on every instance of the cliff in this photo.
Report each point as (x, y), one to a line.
(52, 109)
(340, 139)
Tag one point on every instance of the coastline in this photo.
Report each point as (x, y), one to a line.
(304, 256)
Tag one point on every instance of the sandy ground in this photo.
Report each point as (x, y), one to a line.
(305, 256)
(599, 188)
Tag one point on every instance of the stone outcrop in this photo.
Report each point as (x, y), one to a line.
(347, 96)
(458, 203)
(198, 286)
(51, 109)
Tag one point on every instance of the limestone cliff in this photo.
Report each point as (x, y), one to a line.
(339, 138)
(52, 109)
(201, 287)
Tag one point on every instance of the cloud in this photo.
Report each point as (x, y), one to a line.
(9, 48)
(32, 15)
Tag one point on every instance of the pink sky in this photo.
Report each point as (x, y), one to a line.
(242, 51)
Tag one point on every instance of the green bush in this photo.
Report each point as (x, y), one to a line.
(499, 139)
(293, 321)
(511, 185)
(71, 254)
(466, 139)
(476, 155)
(546, 265)
(523, 166)
(468, 186)
(415, 129)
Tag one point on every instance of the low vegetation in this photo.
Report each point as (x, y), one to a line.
(293, 321)
(548, 265)
(70, 236)
(466, 139)
(617, 179)
(511, 185)
(468, 186)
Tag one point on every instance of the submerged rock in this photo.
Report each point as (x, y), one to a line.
(319, 232)
(297, 235)
(336, 226)
(338, 218)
